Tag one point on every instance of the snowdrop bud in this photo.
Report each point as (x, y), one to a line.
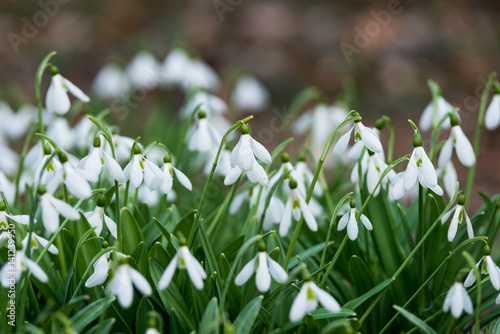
(454, 119)
(105, 244)
(352, 204)
(301, 157)
(379, 125)
(285, 158)
(167, 158)
(461, 200)
(262, 246)
(54, 70)
(182, 239)
(202, 115)
(19, 246)
(356, 114)
(292, 183)
(2, 206)
(97, 141)
(487, 250)
(245, 129)
(101, 201)
(63, 157)
(47, 150)
(137, 149)
(417, 139)
(41, 189)
(124, 260)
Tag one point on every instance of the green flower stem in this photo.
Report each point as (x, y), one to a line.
(38, 79)
(421, 232)
(429, 279)
(313, 183)
(21, 162)
(477, 139)
(472, 264)
(427, 234)
(334, 260)
(210, 177)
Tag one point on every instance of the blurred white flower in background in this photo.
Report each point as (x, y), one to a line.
(51, 208)
(204, 137)
(143, 71)
(111, 82)
(212, 105)
(427, 117)
(249, 94)
(492, 116)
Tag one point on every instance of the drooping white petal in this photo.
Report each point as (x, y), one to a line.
(366, 222)
(369, 138)
(277, 272)
(111, 226)
(341, 145)
(75, 91)
(76, 184)
(65, 209)
(397, 188)
(286, 220)
(36, 270)
(452, 231)
(352, 227)
(492, 116)
(20, 219)
(121, 286)
(450, 178)
(273, 213)
(140, 282)
(57, 100)
(470, 230)
(260, 151)
(183, 179)
(101, 267)
(308, 216)
(325, 299)
(44, 242)
(447, 215)
(262, 275)
(95, 220)
(113, 167)
(493, 272)
(426, 118)
(257, 174)
(92, 162)
(167, 275)
(50, 216)
(192, 267)
(232, 176)
(152, 174)
(372, 177)
(245, 157)
(457, 302)
(300, 305)
(135, 172)
(463, 147)
(411, 173)
(343, 221)
(471, 277)
(467, 302)
(246, 272)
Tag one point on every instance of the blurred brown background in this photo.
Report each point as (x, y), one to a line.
(396, 47)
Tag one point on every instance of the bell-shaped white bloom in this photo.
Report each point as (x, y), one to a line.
(144, 71)
(265, 268)
(97, 217)
(223, 165)
(14, 125)
(449, 176)
(256, 174)
(57, 99)
(357, 149)
(419, 168)
(38, 241)
(361, 133)
(492, 116)
(77, 180)
(61, 132)
(246, 150)
(184, 260)
(140, 168)
(459, 141)
(320, 123)
(174, 67)
(101, 268)
(487, 266)
(296, 206)
(111, 82)
(458, 218)
(123, 147)
(204, 137)
(443, 107)
(307, 301)
(123, 282)
(349, 219)
(199, 75)
(274, 212)
(168, 176)
(373, 168)
(49, 172)
(249, 94)
(11, 271)
(458, 300)
(304, 175)
(52, 208)
(206, 102)
(97, 158)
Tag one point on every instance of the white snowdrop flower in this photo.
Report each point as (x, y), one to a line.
(97, 158)
(76, 179)
(85, 131)
(459, 141)
(443, 107)
(174, 67)
(245, 151)
(458, 218)
(140, 168)
(111, 82)
(143, 71)
(361, 133)
(285, 167)
(356, 169)
(152, 197)
(449, 176)
(374, 172)
(20, 219)
(320, 123)
(492, 116)
(419, 168)
(487, 266)
(274, 213)
(20, 264)
(223, 165)
(184, 260)
(199, 75)
(256, 174)
(152, 330)
(307, 300)
(265, 268)
(168, 176)
(123, 146)
(305, 176)
(7, 187)
(14, 125)
(98, 216)
(51, 209)
(122, 284)
(457, 300)
(101, 267)
(38, 241)
(249, 94)
(349, 219)
(49, 171)
(204, 137)
(357, 149)
(209, 103)
(57, 100)
(296, 206)
(61, 132)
